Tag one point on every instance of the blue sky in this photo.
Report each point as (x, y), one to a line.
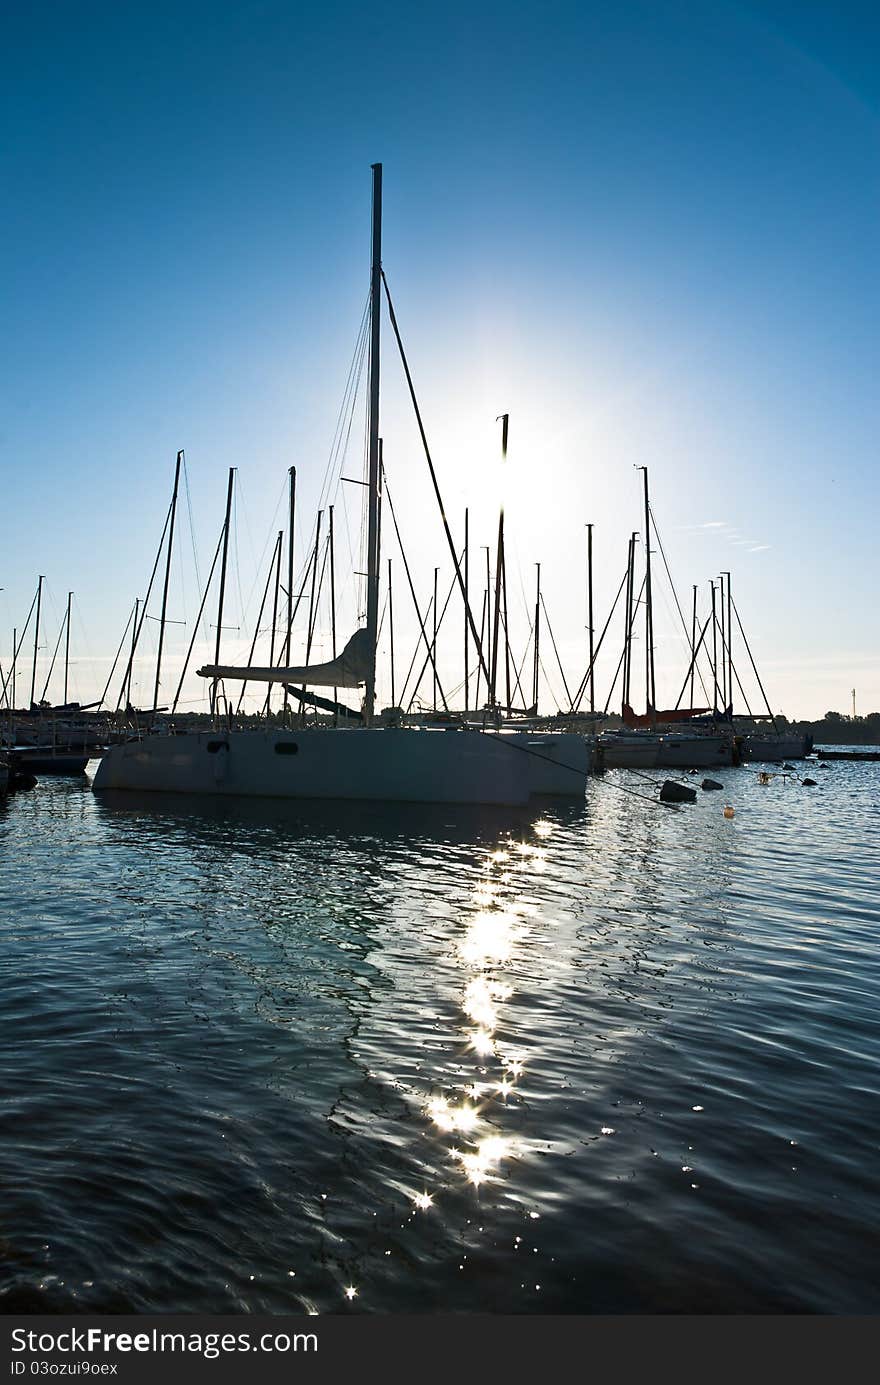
(648, 232)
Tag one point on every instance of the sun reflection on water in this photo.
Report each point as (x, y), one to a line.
(496, 926)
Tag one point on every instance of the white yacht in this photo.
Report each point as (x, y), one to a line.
(369, 761)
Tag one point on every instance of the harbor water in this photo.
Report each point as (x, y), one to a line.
(592, 1057)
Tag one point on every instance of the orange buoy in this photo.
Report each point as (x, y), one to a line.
(728, 811)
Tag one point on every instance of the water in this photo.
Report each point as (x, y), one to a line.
(594, 1057)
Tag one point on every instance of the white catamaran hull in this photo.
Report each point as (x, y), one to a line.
(667, 751)
(776, 748)
(695, 752)
(557, 762)
(397, 765)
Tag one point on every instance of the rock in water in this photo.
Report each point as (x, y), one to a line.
(671, 792)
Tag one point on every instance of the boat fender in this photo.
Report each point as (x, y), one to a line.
(712, 784)
(808, 783)
(670, 792)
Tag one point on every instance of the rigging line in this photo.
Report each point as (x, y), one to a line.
(449, 541)
(412, 664)
(259, 618)
(530, 750)
(555, 650)
(675, 594)
(116, 659)
(693, 662)
(83, 639)
(342, 448)
(412, 590)
(614, 681)
(575, 706)
(54, 657)
(623, 652)
(140, 626)
(754, 667)
(16, 651)
(192, 531)
(432, 659)
(198, 618)
(242, 616)
(352, 383)
(727, 650)
(517, 683)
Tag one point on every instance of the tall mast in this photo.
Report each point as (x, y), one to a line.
(729, 702)
(390, 633)
(723, 648)
(466, 624)
(134, 635)
(714, 653)
(167, 578)
(333, 602)
(291, 472)
(226, 527)
(67, 648)
(650, 689)
(36, 637)
(274, 618)
(628, 619)
(499, 568)
(537, 640)
(373, 478)
(590, 613)
(693, 643)
(434, 640)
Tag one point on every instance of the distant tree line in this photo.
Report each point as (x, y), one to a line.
(837, 729)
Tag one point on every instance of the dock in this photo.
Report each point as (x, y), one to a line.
(860, 753)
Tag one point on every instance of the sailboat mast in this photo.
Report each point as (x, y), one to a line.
(373, 478)
(537, 640)
(466, 603)
(434, 639)
(167, 579)
(291, 472)
(590, 614)
(693, 644)
(390, 634)
(627, 624)
(729, 645)
(714, 653)
(650, 689)
(36, 637)
(226, 527)
(67, 648)
(499, 568)
(332, 544)
(274, 619)
(723, 647)
(134, 635)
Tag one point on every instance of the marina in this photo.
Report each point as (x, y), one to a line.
(597, 1057)
(439, 684)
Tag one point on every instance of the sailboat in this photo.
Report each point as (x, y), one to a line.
(653, 740)
(366, 761)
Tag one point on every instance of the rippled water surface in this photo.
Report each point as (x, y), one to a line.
(593, 1057)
